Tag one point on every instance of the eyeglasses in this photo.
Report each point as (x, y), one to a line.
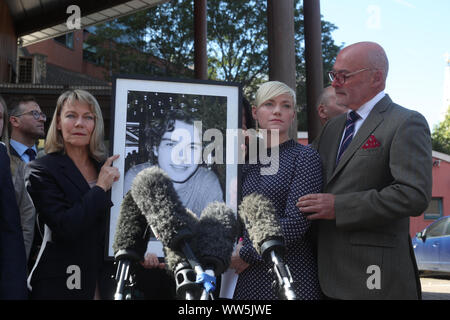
(341, 77)
(36, 114)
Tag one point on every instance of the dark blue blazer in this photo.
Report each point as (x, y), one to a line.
(13, 265)
(72, 263)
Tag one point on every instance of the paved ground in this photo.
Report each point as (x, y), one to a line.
(435, 288)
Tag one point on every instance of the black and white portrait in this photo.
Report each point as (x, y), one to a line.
(182, 128)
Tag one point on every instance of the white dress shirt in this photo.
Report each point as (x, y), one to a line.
(363, 113)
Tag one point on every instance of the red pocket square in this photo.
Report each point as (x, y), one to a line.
(371, 143)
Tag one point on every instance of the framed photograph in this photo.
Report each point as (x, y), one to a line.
(189, 128)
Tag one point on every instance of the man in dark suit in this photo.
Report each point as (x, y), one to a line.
(13, 270)
(377, 163)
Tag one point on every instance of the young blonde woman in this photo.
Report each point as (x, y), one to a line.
(299, 173)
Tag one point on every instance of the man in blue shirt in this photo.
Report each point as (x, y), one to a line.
(27, 126)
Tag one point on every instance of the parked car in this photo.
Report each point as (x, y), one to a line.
(432, 247)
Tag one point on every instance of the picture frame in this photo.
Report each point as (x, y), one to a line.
(142, 110)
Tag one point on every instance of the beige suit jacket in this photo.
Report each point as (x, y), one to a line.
(366, 252)
(24, 202)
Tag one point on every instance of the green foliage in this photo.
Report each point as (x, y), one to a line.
(155, 42)
(441, 135)
(237, 39)
(238, 47)
(237, 44)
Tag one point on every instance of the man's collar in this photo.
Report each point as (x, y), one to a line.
(20, 147)
(365, 109)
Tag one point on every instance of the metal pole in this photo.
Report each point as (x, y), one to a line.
(200, 56)
(280, 28)
(314, 65)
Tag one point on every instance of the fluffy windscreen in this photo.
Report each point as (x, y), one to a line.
(156, 197)
(260, 219)
(216, 236)
(174, 257)
(130, 230)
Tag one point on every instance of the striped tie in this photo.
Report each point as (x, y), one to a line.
(348, 135)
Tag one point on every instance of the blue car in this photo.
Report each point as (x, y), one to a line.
(432, 247)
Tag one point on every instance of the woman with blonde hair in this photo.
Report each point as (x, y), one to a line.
(299, 173)
(70, 190)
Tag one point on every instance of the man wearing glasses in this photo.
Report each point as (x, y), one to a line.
(377, 162)
(27, 126)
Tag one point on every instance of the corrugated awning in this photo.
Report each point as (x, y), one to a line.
(38, 20)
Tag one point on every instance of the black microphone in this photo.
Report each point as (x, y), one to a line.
(184, 275)
(156, 197)
(216, 236)
(266, 235)
(172, 257)
(130, 242)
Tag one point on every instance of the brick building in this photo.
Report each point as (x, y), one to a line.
(440, 202)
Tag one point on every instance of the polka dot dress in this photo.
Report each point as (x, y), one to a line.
(299, 173)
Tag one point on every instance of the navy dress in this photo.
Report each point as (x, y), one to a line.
(299, 173)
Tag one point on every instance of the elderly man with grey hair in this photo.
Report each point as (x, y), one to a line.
(377, 163)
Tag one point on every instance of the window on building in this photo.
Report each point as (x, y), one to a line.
(25, 69)
(434, 210)
(66, 40)
(89, 53)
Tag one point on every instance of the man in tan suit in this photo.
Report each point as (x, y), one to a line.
(377, 166)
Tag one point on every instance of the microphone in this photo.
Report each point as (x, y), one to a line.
(130, 243)
(216, 236)
(158, 201)
(185, 276)
(156, 197)
(266, 235)
(217, 233)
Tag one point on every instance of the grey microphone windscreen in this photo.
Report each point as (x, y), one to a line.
(156, 197)
(174, 257)
(260, 219)
(130, 230)
(216, 235)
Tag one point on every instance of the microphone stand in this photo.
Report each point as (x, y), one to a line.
(185, 281)
(124, 280)
(213, 266)
(207, 281)
(273, 250)
(124, 277)
(202, 278)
